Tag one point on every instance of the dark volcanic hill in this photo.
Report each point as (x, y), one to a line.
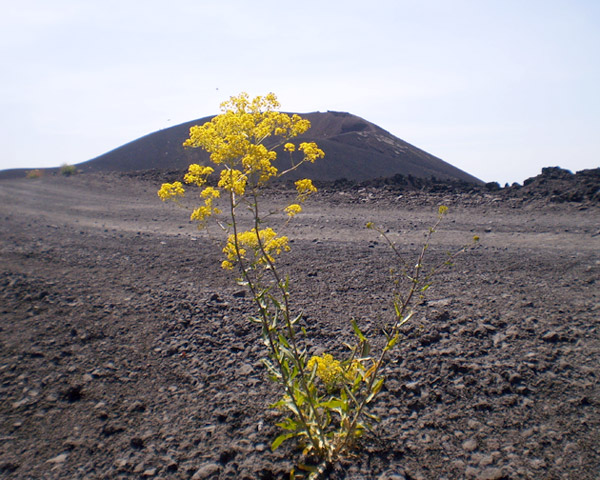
(355, 149)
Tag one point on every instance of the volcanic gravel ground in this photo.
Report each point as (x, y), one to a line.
(125, 351)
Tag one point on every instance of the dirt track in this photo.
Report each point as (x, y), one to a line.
(125, 351)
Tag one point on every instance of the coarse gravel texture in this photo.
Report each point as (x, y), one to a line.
(125, 351)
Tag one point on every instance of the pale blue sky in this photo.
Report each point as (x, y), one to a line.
(499, 89)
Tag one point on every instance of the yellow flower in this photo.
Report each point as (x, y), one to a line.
(289, 147)
(235, 138)
(197, 174)
(293, 209)
(304, 188)
(311, 151)
(210, 192)
(329, 370)
(201, 213)
(263, 246)
(233, 181)
(171, 190)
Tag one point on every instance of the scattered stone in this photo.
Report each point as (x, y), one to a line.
(8, 466)
(208, 470)
(412, 386)
(471, 472)
(58, 459)
(20, 403)
(491, 473)
(137, 442)
(72, 393)
(469, 445)
(246, 369)
(121, 463)
(137, 406)
(551, 337)
(112, 428)
(391, 476)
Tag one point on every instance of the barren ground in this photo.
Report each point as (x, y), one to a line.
(125, 351)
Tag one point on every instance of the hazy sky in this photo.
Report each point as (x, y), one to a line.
(499, 89)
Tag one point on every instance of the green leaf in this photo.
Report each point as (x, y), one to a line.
(332, 404)
(392, 341)
(288, 424)
(366, 349)
(271, 369)
(359, 334)
(404, 320)
(376, 387)
(280, 439)
(345, 393)
(295, 372)
(398, 309)
(283, 341)
(372, 417)
(275, 302)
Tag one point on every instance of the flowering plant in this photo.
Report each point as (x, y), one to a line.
(326, 399)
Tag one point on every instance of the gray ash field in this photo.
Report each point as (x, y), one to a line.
(125, 351)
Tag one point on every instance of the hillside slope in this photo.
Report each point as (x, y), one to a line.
(355, 150)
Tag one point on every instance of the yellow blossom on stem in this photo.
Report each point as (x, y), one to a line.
(311, 151)
(249, 241)
(304, 188)
(197, 174)
(210, 192)
(329, 370)
(235, 138)
(233, 181)
(201, 213)
(292, 209)
(171, 190)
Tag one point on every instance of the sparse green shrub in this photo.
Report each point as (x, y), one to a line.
(325, 401)
(37, 173)
(68, 170)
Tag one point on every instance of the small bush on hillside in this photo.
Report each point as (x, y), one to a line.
(68, 170)
(37, 173)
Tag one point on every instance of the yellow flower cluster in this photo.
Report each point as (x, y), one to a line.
(329, 370)
(304, 188)
(293, 209)
(233, 180)
(197, 174)
(258, 160)
(171, 190)
(262, 243)
(311, 151)
(235, 141)
(234, 138)
(209, 194)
